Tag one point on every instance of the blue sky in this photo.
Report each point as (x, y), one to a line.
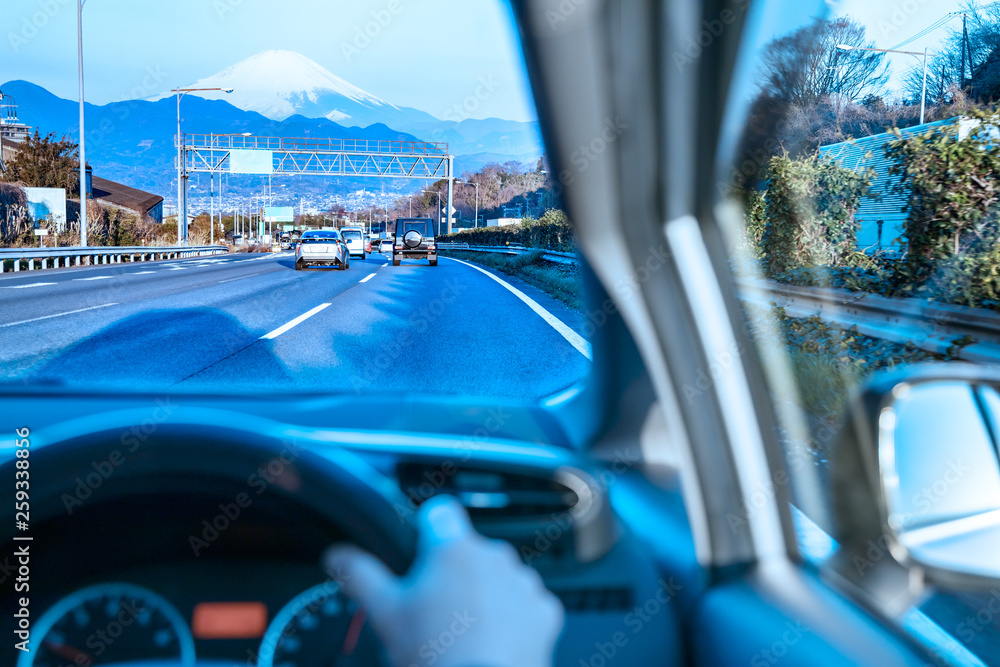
(887, 24)
(429, 54)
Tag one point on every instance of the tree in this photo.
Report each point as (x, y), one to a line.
(43, 162)
(806, 65)
(807, 87)
(975, 70)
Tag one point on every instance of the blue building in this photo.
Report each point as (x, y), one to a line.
(882, 220)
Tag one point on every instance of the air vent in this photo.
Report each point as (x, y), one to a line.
(547, 515)
(596, 599)
(486, 493)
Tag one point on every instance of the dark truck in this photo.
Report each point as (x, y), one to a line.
(414, 239)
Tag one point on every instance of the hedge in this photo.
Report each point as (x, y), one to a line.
(550, 232)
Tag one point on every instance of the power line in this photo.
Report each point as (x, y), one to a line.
(929, 29)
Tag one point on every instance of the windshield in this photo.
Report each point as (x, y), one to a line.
(196, 268)
(865, 155)
(424, 228)
(320, 237)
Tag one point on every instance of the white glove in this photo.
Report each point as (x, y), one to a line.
(467, 601)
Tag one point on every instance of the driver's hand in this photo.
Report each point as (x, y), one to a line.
(467, 601)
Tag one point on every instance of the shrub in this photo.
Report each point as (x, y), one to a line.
(810, 209)
(110, 226)
(15, 227)
(951, 230)
(550, 232)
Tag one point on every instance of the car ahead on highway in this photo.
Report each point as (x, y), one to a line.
(321, 248)
(354, 237)
(414, 239)
(385, 245)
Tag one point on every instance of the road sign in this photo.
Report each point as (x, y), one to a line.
(41, 232)
(279, 214)
(243, 161)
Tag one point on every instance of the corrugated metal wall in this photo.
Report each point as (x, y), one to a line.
(869, 152)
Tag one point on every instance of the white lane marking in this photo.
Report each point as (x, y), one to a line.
(298, 320)
(94, 278)
(366, 279)
(49, 317)
(143, 273)
(254, 275)
(27, 286)
(572, 337)
(179, 268)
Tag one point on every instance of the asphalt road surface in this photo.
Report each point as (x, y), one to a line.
(251, 322)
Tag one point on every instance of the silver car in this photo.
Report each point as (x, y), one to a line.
(323, 247)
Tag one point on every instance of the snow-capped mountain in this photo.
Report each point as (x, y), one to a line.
(279, 84)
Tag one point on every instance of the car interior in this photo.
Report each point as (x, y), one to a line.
(652, 500)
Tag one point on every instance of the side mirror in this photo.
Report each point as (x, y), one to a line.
(934, 431)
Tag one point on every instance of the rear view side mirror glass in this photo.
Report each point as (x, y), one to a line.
(939, 469)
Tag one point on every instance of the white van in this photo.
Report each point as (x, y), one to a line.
(355, 239)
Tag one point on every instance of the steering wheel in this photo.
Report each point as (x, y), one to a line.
(189, 457)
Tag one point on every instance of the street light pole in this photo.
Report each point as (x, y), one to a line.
(923, 90)
(181, 189)
(476, 219)
(83, 148)
(915, 54)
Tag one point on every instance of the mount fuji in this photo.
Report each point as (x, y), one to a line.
(279, 84)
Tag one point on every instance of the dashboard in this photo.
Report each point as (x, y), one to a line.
(166, 558)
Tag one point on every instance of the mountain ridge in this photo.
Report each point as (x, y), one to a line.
(132, 141)
(280, 83)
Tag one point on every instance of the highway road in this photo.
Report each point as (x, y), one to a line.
(251, 322)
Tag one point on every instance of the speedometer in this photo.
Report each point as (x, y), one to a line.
(107, 624)
(320, 627)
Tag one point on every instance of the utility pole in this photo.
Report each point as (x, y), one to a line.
(222, 224)
(965, 52)
(83, 148)
(451, 189)
(923, 91)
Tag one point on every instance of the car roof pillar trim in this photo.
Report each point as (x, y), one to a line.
(711, 317)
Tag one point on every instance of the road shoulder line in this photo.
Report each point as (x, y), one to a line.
(572, 337)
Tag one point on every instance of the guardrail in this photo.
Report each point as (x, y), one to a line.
(933, 327)
(567, 258)
(75, 256)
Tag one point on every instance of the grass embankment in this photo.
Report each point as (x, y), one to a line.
(557, 280)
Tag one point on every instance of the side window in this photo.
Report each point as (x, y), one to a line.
(870, 238)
